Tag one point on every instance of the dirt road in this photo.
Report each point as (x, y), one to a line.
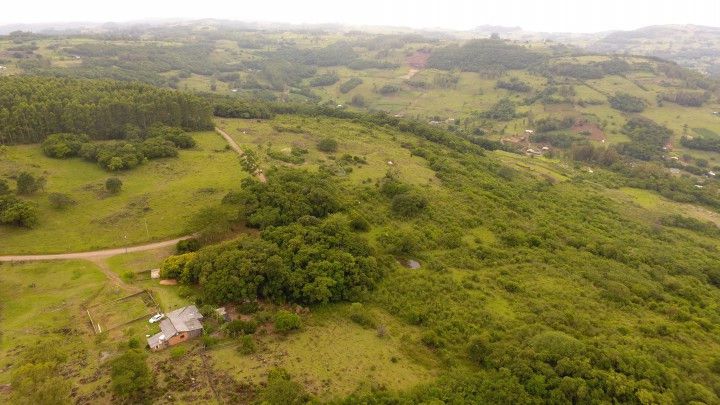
(259, 174)
(94, 254)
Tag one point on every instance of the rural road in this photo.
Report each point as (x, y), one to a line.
(259, 174)
(94, 254)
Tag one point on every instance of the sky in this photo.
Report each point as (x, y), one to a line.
(539, 15)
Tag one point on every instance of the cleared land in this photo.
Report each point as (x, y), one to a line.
(156, 202)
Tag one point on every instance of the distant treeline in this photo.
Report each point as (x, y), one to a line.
(484, 54)
(33, 107)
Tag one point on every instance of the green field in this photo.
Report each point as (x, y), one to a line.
(155, 203)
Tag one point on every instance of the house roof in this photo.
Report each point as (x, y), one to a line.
(184, 319)
(181, 320)
(156, 339)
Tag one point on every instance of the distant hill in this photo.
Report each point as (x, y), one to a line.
(693, 46)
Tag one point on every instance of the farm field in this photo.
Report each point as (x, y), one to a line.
(156, 201)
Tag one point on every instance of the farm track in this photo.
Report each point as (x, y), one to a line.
(96, 254)
(259, 174)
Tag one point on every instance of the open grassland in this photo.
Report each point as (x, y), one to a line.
(334, 357)
(156, 201)
(379, 147)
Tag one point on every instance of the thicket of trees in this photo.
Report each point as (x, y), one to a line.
(158, 142)
(31, 108)
(350, 84)
(627, 103)
(514, 84)
(304, 254)
(647, 139)
(702, 143)
(484, 54)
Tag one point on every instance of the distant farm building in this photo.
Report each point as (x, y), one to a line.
(179, 326)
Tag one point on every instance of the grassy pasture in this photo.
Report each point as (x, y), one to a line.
(155, 203)
(378, 146)
(333, 357)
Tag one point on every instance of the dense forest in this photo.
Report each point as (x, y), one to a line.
(33, 107)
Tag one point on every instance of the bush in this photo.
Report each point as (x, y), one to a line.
(187, 245)
(177, 351)
(61, 146)
(130, 375)
(239, 327)
(280, 389)
(247, 345)
(479, 349)
(360, 316)
(327, 145)
(113, 185)
(286, 321)
(60, 201)
(155, 148)
(4, 187)
(14, 211)
(28, 184)
(389, 89)
(408, 204)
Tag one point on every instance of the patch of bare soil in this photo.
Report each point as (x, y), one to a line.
(418, 60)
(595, 133)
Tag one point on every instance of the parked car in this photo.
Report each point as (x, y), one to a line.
(156, 318)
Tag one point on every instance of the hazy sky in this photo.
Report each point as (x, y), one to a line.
(538, 15)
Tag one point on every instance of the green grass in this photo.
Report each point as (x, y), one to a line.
(156, 201)
(334, 357)
(378, 146)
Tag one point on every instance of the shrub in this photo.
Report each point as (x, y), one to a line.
(62, 146)
(389, 89)
(479, 349)
(28, 184)
(247, 345)
(240, 327)
(130, 374)
(408, 204)
(360, 316)
(327, 145)
(60, 201)
(177, 351)
(280, 389)
(4, 187)
(286, 321)
(14, 211)
(358, 100)
(113, 185)
(154, 148)
(187, 245)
